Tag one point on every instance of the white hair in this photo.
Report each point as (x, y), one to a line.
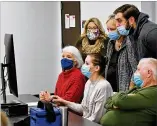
(153, 63)
(76, 53)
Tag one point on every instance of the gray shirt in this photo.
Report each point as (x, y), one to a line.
(95, 96)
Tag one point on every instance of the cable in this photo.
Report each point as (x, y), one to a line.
(5, 60)
(2, 90)
(4, 67)
(5, 80)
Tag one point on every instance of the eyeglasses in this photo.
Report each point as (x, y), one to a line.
(94, 28)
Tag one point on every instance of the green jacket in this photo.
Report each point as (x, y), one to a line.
(137, 107)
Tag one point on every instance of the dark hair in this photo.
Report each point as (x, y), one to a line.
(128, 10)
(99, 60)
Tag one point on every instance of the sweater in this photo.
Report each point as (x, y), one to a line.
(126, 63)
(137, 107)
(95, 95)
(70, 85)
(92, 42)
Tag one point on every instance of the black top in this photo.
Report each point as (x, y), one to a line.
(112, 70)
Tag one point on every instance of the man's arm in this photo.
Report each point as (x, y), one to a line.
(141, 100)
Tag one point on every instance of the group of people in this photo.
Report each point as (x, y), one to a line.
(123, 61)
(111, 78)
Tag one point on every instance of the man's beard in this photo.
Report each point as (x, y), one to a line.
(130, 28)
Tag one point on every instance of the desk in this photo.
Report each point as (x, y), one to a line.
(73, 119)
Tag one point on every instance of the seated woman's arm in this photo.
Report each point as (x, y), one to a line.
(74, 106)
(99, 109)
(75, 91)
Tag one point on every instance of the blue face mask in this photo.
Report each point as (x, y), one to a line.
(66, 63)
(85, 70)
(137, 80)
(113, 35)
(122, 30)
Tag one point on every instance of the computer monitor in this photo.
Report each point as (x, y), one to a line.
(9, 65)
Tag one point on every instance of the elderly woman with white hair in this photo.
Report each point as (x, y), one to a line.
(71, 82)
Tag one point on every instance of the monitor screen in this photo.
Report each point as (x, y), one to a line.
(10, 63)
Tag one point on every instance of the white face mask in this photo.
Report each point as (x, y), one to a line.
(92, 35)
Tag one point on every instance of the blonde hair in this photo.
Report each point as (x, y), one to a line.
(153, 63)
(97, 22)
(111, 17)
(4, 119)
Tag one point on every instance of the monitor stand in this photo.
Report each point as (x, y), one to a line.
(11, 107)
(4, 84)
(6, 102)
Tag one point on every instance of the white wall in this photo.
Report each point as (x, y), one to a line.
(102, 9)
(36, 27)
(0, 42)
(155, 12)
(149, 7)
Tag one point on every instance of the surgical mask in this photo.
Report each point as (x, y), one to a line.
(66, 64)
(92, 35)
(122, 30)
(137, 80)
(85, 70)
(113, 35)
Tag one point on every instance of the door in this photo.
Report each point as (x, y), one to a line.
(70, 35)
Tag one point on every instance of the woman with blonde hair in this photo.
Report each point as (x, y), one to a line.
(122, 61)
(93, 39)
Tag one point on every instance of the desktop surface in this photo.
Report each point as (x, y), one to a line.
(73, 119)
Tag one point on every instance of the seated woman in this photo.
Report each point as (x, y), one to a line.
(93, 39)
(71, 81)
(97, 90)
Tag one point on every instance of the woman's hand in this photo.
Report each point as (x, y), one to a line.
(45, 96)
(58, 100)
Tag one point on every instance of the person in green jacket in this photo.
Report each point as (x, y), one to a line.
(138, 106)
